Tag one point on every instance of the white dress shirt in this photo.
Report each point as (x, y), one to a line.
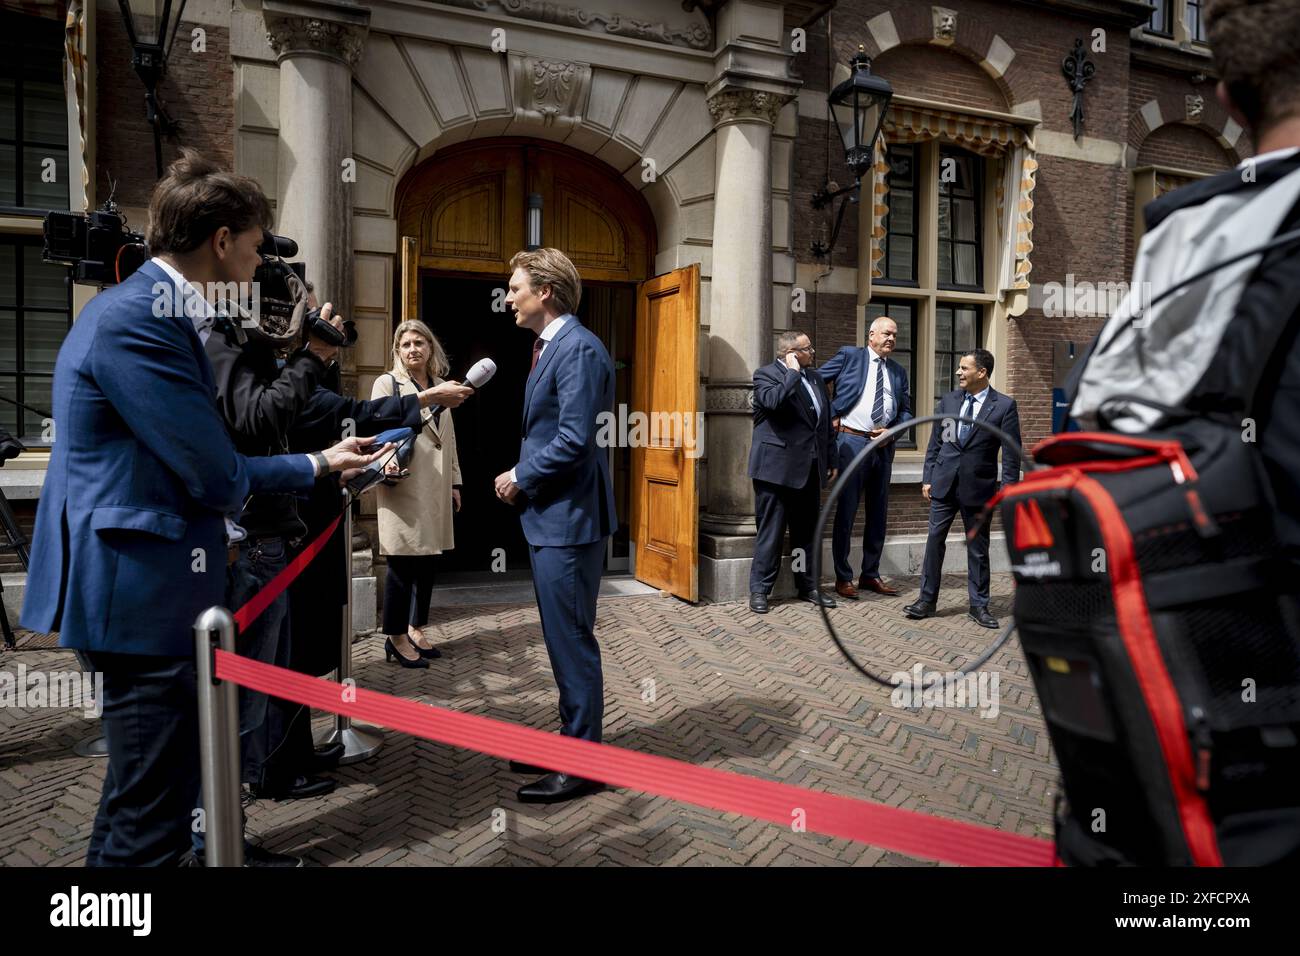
(974, 411)
(550, 331)
(859, 418)
(198, 309)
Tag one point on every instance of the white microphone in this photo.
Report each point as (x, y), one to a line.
(476, 378)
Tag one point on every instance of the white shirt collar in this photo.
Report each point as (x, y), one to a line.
(979, 396)
(1271, 155)
(553, 328)
(197, 308)
(874, 354)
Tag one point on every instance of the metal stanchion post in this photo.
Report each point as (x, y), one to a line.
(358, 744)
(223, 834)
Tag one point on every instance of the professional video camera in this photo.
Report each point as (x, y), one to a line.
(100, 250)
(282, 286)
(97, 246)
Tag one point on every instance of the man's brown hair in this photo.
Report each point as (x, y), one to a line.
(196, 198)
(1256, 47)
(551, 267)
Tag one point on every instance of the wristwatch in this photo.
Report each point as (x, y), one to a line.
(322, 463)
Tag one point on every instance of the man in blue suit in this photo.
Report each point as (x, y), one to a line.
(870, 396)
(129, 544)
(961, 474)
(562, 480)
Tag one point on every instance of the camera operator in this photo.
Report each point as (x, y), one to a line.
(259, 398)
(128, 544)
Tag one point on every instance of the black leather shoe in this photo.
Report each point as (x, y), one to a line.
(920, 609)
(758, 602)
(982, 617)
(255, 855)
(301, 788)
(517, 767)
(816, 597)
(326, 758)
(556, 788)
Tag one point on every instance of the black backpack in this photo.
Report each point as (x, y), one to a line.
(1156, 604)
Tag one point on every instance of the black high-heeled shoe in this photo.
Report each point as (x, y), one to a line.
(428, 653)
(390, 652)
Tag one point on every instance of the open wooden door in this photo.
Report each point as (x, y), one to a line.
(666, 387)
(410, 279)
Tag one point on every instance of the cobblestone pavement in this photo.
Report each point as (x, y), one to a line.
(767, 696)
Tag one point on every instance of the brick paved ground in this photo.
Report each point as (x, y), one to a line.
(766, 696)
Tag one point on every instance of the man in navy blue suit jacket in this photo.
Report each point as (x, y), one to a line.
(563, 483)
(129, 543)
(789, 464)
(961, 474)
(870, 396)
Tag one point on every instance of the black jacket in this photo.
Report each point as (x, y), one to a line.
(318, 594)
(788, 434)
(259, 401)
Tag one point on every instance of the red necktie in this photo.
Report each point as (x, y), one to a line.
(537, 352)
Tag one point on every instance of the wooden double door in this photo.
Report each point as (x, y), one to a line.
(461, 216)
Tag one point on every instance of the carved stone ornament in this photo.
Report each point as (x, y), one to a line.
(289, 36)
(740, 103)
(694, 33)
(1195, 106)
(729, 398)
(945, 25)
(551, 92)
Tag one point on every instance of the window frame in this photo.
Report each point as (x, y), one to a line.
(19, 373)
(914, 149)
(928, 296)
(906, 440)
(18, 142)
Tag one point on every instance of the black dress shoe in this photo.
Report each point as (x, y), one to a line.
(982, 617)
(758, 602)
(390, 652)
(557, 787)
(299, 788)
(920, 609)
(816, 597)
(326, 758)
(255, 855)
(517, 767)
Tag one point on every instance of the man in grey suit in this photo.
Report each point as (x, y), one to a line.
(961, 469)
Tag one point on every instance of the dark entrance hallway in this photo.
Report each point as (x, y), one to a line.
(459, 310)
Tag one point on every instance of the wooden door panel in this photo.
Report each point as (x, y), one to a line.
(665, 498)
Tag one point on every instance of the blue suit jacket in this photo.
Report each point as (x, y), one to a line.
(565, 476)
(129, 543)
(972, 466)
(847, 371)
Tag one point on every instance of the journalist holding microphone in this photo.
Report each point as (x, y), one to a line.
(129, 545)
(417, 499)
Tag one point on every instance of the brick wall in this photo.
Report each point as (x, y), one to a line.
(1184, 147)
(198, 93)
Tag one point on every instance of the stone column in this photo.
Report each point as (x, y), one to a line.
(740, 327)
(317, 44)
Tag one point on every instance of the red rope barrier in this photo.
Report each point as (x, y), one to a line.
(902, 831)
(260, 601)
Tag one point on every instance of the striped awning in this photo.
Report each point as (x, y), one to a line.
(988, 137)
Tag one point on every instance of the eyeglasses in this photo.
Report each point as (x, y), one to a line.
(807, 348)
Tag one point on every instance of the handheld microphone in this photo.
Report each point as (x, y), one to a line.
(478, 376)
(374, 472)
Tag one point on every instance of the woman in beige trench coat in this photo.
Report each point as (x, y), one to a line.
(415, 512)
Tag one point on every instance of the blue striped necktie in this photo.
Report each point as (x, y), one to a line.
(878, 403)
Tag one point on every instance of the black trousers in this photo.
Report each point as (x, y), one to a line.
(151, 722)
(942, 513)
(777, 507)
(408, 589)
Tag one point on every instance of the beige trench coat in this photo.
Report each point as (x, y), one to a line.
(415, 514)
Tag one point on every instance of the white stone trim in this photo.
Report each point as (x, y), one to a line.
(999, 57)
(1150, 112)
(883, 31)
(1231, 132)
